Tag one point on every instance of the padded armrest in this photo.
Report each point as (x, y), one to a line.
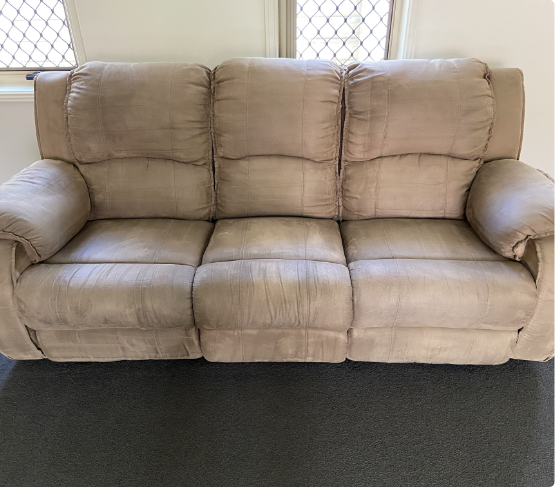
(510, 203)
(43, 207)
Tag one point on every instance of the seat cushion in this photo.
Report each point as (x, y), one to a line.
(442, 293)
(79, 296)
(273, 293)
(405, 238)
(156, 241)
(275, 238)
(117, 274)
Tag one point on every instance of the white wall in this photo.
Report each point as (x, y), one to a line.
(502, 33)
(18, 144)
(198, 31)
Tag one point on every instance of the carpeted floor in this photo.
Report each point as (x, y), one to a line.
(193, 423)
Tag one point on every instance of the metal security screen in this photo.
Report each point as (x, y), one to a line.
(34, 34)
(343, 30)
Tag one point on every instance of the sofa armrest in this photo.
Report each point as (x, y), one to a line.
(43, 207)
(535, 340)
(510, 203)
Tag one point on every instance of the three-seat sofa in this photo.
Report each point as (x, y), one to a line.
(278, 210)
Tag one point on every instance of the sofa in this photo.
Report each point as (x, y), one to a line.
(278, 210)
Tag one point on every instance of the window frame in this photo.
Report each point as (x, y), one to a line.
(13, 83)
(400, 33)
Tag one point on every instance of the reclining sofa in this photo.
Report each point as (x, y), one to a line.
(278, 210)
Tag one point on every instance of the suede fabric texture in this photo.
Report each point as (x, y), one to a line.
(508, 129)
(43, 207)
(277, 129)
(509, 204)
(106, 345)
(431, 345)
(141, 187)
(275, 238)
(108, 253)
(158, 110)
(136, 241)
(274, 345)
(15, 341)
(442, 293)
(415, 134)
(406, 238)
(535, 341)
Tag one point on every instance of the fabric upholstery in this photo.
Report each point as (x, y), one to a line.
(414, 136)
(404, 238)
(535, 340)
(79, 296)
(276, 186)
(431, 345)
(103, 345)
(50, 115)
(158, 110)
(442, 293)
(157, 241)
(149, 188)
(277, 107)
(411, 185)
(508, 90)
(43, 207)
(274, 345)
(275, 238)
(277, 129)
(442, 107)
(510, 203)
(15, 341)
(272, 293)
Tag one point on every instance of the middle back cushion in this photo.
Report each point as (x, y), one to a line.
(276, 129)
(415, 134)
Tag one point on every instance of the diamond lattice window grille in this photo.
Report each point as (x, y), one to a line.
(343, 30)
(34, 34)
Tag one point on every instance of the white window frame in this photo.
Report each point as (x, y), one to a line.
(402, 32)
(14, 86)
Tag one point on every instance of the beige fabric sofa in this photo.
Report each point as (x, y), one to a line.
(278, 210)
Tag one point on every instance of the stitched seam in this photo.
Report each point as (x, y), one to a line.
(376, 185)
(463, 242)
(100, 111)
(18, 237)
(488, 296)
(302, 109)
(471, 346)
(386, 123)
(460, 109)
(385, 238)
(247, 108)
(446, 188)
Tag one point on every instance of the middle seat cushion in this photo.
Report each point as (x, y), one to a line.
(274, 273)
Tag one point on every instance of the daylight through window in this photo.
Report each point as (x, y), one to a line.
(34, 34)
(345, 31)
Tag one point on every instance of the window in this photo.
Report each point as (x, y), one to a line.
(341, 30)
(34, 34)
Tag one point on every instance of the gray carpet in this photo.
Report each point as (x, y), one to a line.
(193, 423)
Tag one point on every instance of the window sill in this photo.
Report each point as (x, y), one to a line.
(17, 93)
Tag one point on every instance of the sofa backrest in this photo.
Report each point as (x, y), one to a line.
(138, 133)
(276, 132)
(415, 134)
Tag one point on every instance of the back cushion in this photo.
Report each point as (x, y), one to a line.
(415, 134)
(140, 135)
(276, 137)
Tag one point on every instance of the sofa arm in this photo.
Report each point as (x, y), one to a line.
(535, 340)
(510, 203)
(43, 207)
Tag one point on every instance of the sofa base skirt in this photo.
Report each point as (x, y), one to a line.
(105, 345)
(431, 345)
(274, 345)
